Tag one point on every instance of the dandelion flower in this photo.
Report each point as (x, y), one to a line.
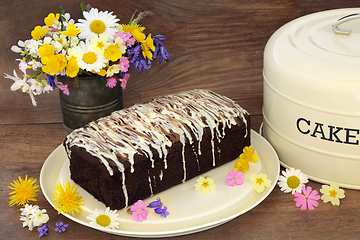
(24, 191)
(260, 181)
(332, 193)
(107, 218)
(67, 199)
(96, 23)
(205, 184)
(308, 199)
(292, 181)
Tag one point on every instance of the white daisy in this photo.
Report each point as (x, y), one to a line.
(292, 181)
(96, 22)
(104, 218)
(89, 60)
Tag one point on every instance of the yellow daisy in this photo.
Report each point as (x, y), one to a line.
(67, 199)
(24, 191)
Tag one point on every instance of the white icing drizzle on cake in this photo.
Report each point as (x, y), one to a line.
(153, 125)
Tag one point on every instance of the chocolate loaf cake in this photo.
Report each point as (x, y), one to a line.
(137, 152)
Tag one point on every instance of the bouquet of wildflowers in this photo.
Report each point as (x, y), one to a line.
(95, 45)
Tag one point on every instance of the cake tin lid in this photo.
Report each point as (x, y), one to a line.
(313, 60)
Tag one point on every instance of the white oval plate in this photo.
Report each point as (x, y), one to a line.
(190, 211)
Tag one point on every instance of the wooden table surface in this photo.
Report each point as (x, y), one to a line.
(216, 45)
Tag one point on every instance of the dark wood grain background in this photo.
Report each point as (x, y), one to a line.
(216, 45)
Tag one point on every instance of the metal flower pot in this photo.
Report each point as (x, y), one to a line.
(88, 101)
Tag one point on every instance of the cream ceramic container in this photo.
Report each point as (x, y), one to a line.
(311, 103)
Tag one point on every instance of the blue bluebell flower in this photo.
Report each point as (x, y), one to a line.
(163, 211)
(156, 204)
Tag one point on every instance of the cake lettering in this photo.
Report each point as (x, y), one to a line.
(329, 132)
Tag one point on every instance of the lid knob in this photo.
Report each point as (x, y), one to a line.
(342, 20)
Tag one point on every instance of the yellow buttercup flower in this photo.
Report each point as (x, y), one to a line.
(46, 50)
(72, 67)
(112, 53)
(241, 165)
(53, 64)
(249, 154)
(39, 32)
(71, 31)
(51, 18)
(24, 191)
(67, 199)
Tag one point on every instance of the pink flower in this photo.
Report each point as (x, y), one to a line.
(138, 211)
(124, 81)
(235, 178)
(63, 87)
(124, 64)
(308, 199)
(111, 82)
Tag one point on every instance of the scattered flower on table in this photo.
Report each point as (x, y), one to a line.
(205, 184)
(32, 216)
(66, 198)
(307, 199)
(96, 44)
(139, 212)
(235, 178)
(43, 230)
(163, 211)
(24, 191)
(292, 181)
(332, 193)
(259, 182)
(107, 218)
(61, 227)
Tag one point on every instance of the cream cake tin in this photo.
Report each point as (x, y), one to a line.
(311, 102)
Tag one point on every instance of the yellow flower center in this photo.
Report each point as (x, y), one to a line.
(89, 57)
(205, 184)
(259, 181)
(103, 220)
(100, 45)
(293, 182)
(333, 193)
(97, 26)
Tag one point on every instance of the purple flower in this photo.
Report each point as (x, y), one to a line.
(61, 227)
(162, 211)
(43, 230)
(156, 204)
(160, 50)
(51, 80)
